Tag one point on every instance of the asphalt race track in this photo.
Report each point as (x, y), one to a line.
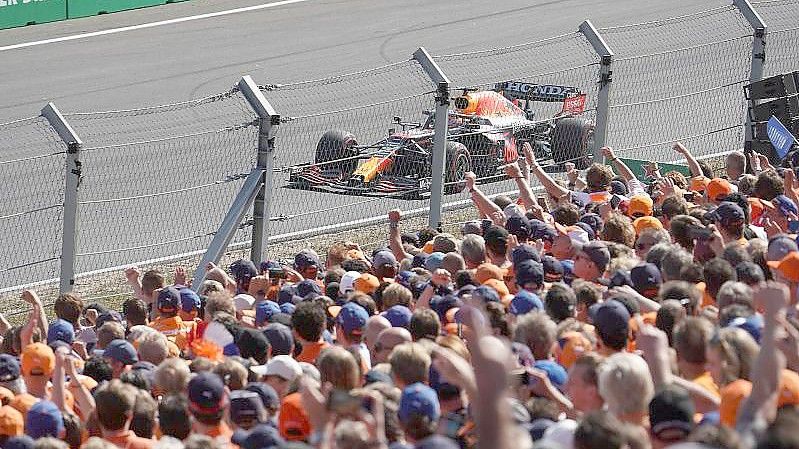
(180, 61)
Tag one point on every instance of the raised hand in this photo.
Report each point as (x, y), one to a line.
(679, 148)
(132, 275)
(394, 216)
(513, 171)
(771, 298)
(469, 179)
(180, 276)
(608, 153)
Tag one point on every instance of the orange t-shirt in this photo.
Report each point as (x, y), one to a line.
(175, 330)
(705, 380)
(311, 351)
(293, 422)
(129, 440)
(732, 395)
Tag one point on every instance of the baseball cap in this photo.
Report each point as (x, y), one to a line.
(9, 368)
(121, 351)
(280, 338)
(286, 293)
(442, 304)
(419, 260)
(486, 294)
(671, 414)
(445, 243)
(648, 222)
(576, 234)
(283, 366)
(587, 228)
(788, 266)
(752, 324)
(264, 311)
(245, 405)
(398, 316)
(307, 287)
(646, 279)
(618, 188)
(262, 436)
(384, 259)
(252, 343)
(352, 318)
(60, 330)
(243, 269)
(785, 205)
(525, 302)
(593, 220)
(293, 421)
(524, 252)
(553, 269)
(268, 395)
(610, 317)
(486, 271)
(699, 183)
(306, 258)
(419, 400)
(571, 345)
(189, 300)
(779, 246)
(727, 212)
(243, 301)
(288, 308)
(556, 373)
(598, 253)
(44, 420)
(366, 283)
(718, 188)
(107, 317)
(12, 423)
(373, 376)
(346, 284)
(519, 226)
(206, 393)
(37, 360)
(528, 272)
(541, 231)
(640, 205)
(168, 299)
(434, 261)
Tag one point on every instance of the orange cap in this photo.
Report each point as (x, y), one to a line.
(699, 183)
(757, 207)
(571, 345)
(718, 187)
(486, 271)
(732, 396)
(641, 205)
(207, 349)
(788, 266)
(648, 222)
(37, 360)
(789, 388)
(23, 402)
(293, 422)
(12, 423)
(428, 247)
(367, 283)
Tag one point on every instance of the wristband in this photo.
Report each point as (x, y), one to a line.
(393, 225)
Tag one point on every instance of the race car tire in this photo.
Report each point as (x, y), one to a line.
(571, 142)
(335, 145)
(458, 163)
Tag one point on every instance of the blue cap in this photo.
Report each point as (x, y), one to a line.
(646, 279)
(189, 300)
(618, 188)
(306, 258)
(594, 221)
(587, 228)
(60, 330)
(286, 294)
(610, 318)
(434, 261)
(20, 442)
(206, 393)
(529, 271)
(44, 419)
(288, 308)
(245, 405)
(121, 351)
(243, 269)
(398, 316)
(556, 373)
(524, 252)
(269, 397)
(9, 368)
(541, 231)
(306, 287)
(553, 269)
(486, 294)
(519, 226)
(568, 271)
(373, 376)
(419, 400)
(168, 299)
(752, 324)
(264, 311)
(441, 304)
(280, 338)
(107, 317)
(525, 302)
(727, 212)
(785, 205)
(352, 317)
(262, 436)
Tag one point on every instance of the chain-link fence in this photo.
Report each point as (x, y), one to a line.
(679, 79)
(158, 181)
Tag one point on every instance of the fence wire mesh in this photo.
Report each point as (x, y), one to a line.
(32, 159)
(782, 19)
(330, 130)
(679, 79)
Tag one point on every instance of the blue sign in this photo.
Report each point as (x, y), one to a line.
(780, 137)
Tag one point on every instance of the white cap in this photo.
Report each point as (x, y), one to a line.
(348, 281)
(513, 210)
(280, 365)
(243, 301)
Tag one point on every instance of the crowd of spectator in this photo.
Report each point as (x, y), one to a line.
(609, 312)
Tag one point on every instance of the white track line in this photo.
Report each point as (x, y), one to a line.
(151, 24)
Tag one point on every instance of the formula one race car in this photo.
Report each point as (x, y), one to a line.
(486, 130)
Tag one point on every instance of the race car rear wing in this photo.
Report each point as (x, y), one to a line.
(550, 93)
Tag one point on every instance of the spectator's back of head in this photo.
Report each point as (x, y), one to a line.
(425, 323)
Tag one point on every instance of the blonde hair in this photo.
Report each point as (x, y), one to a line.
(339, 367)
(738, 351)
(172, 376)
(395, 294)
(410, 363)
(625, 384)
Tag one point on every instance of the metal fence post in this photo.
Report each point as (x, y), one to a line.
(268, 120)
(69, 230)
(440, 140)
(758, 49)
(605, 78)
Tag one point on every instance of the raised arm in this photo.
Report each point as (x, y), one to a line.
(394, 236)
(554, 189)
(621, 168)
(525, 192)
(693, 165)
(484, 205)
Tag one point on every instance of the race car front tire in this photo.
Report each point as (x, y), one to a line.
(457, 164)
(334, 146)
(570, 141)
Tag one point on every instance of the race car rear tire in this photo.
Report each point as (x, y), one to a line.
(458, 163)
(571, 142)
(335, 145)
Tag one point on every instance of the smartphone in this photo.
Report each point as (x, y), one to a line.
(542, 201)
(343, 402)
(615, 200)
(793, 226)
